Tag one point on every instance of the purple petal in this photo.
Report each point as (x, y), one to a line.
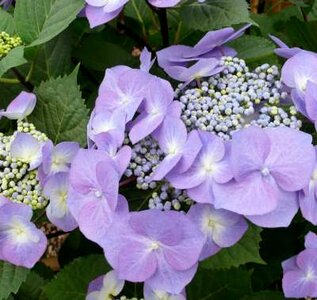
(172, 136)
(250, 148)
(282, 215)
(97, 16)
(123, 158)
(300, 69)
(311, 240)
(136, 262)
(26, 148)
(308, 205)
(239, 196)
(164, 3)
(56, 189)
(166, 166)
(170, 280)
(145, 59)
(150, 294)
(291, 159)
(311, 100)
(20, 107)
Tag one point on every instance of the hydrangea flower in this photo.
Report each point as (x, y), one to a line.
(122, 89)
(180, 149)
(56, 189)
(27, 149)
(105, 287)
(6, 3)
(300, 272)
(150, 294)
(57, 158)
(20, 107)
(221, 228)
(93, 191)
(272, 163)
(209, 167)
(158, 103)
(176, 60)
(146, 61)
(299, 73)
(21, 243)
(160, 248)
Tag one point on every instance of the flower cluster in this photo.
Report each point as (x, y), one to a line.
(142, 129)
(99, 12)
(7, 43)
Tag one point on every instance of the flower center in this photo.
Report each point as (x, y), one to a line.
(310, 275)
(98, 194)
(155, 245)
(265, 171)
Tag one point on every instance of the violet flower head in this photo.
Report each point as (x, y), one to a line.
(160, 248)
(300, 275)
(178, 61)
(56, 189)
(27, 149)
(157, 104)
(21, 243)
(105, 287)
(272, 163)
(179, 147)
(57, 158)
(93, 194)
(20, 107)
(122, 89)
(308, 198)
(112, 123)
(221, 228)
(299, 73)
(150, 294)
(209, 167)
(99, 12)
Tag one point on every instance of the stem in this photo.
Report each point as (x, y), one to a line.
(127, 181)
(9, 81)
(22, 79)
(162, 15)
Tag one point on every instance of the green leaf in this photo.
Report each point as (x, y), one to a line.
(312, 15)
(255, 50)
(6, 22)
(245, 251)
(212, 14)
(39, 21)
(60, 111)
(72, 281)
(53, 59)
(11, 278)
(222, 284)
(265, 295)
(13, 59)
(32, 287)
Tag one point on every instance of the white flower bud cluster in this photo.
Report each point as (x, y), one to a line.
(235, 98)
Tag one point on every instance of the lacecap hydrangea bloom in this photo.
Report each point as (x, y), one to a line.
(203, 149)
